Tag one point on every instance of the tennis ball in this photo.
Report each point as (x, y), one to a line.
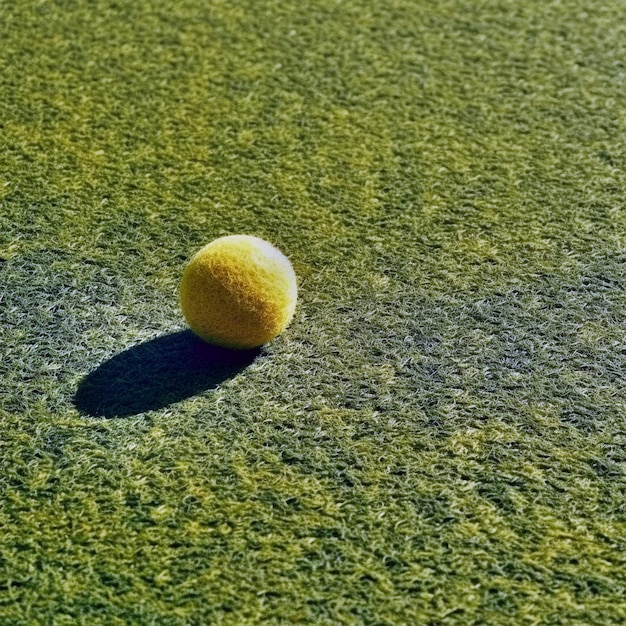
(238, 292)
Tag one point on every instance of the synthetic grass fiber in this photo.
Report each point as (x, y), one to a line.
(438, 437)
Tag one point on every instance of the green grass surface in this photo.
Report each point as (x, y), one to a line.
(438, 438)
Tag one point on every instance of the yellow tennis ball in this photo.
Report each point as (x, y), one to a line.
(239, 292)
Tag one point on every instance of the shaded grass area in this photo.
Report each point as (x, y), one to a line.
(157, 373)
(439, 436)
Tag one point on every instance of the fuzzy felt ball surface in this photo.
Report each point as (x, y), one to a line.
(239, 292)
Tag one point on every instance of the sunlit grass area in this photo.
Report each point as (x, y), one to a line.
(438, 437)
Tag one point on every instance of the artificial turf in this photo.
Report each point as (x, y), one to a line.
(438, 438)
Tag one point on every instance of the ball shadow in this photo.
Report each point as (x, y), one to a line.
(157, 373)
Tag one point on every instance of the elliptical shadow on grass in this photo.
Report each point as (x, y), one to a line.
(157, 373)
